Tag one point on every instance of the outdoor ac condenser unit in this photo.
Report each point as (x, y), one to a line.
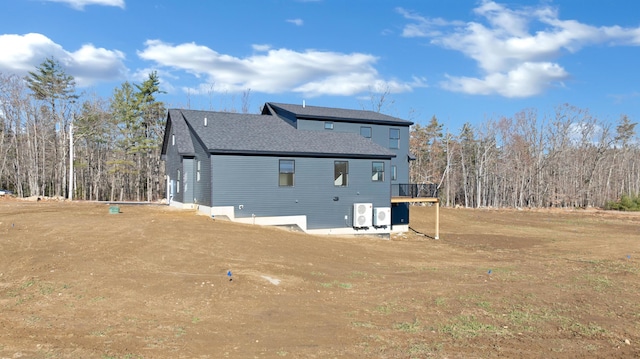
(362, 214)
(382, 216)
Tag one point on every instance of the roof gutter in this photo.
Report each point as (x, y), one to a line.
(299, 154)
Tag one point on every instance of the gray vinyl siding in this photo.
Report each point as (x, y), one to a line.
(173, 163)
(379, 135)
(202, 188)
(252, 181)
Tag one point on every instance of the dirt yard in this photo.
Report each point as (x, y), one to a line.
(153, 282)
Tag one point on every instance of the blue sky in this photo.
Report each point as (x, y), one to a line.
(462, 61)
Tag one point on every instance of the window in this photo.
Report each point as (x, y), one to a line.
(287, 170)
(173, 140)
(198, 171)
(394, 172)
(328, 125)
(365, 131)
(377, 171)
(394, 138)
(178, 182)
(340, 173)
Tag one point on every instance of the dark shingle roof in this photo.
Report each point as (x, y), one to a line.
(337, 114)
(236, 133)
(177, 125)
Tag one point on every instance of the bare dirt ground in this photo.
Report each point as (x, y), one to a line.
(152, 282)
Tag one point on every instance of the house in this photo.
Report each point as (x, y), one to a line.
(323, 170)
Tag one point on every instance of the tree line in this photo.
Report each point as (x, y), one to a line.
(56, 143)
(567, 159)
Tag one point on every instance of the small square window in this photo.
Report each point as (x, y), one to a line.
(328, 125)
(286, 173)
(365, 131)
(377, 171)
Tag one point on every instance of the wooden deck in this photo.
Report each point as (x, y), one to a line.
(413, 199)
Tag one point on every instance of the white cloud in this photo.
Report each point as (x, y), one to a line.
(422, 26)
(515, 60)
(88, 65)
(261, 47)
(297, 22)
(528, 79)
(311, 72)
(80, 4)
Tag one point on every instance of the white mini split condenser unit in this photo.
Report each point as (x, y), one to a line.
(362, 214)
(382, 216)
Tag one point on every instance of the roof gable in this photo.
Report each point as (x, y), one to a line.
(177, 126)
(336, 114)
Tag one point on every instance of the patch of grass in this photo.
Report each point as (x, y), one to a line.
(591, 347)
(390, 308)
(441, 302)
(408, 327)
(318, 274)
(521, 319)
(599, 283)
(32, 320)
(28, 284)
(591, 330)
(613, 267)
(45, 289)
(358, 274)
(526, 318)
(464, 326)
(422, 350)
(101, 333)
(336, 283)
(484, 305)
(180, 331)
(23, 299)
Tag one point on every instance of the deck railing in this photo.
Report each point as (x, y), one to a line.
(415, 190)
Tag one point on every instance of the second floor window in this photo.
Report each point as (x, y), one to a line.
(394, 173)
(341, 173)
(287, 171)
(365, 131)
(328, 125)
(394, 138)
(377, 171)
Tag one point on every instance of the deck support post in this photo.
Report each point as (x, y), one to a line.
(437, 219)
